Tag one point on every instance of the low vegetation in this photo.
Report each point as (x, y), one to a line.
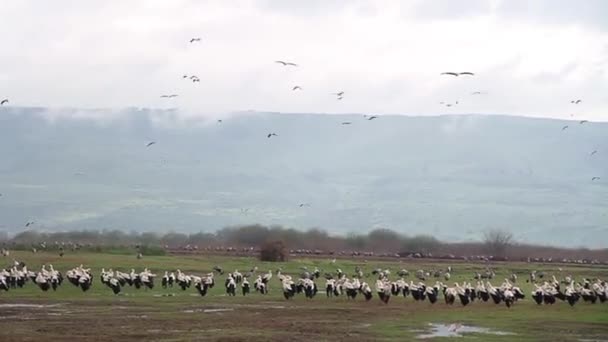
(172, 314)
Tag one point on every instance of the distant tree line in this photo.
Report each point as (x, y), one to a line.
(498, 243)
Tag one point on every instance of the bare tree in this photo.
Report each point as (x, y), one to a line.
(497, 242)
(273, 251)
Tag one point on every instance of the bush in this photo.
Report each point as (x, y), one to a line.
(273, 251)
(497, 242)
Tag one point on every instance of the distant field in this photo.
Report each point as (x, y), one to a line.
(70, 314)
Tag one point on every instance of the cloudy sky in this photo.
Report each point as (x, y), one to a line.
(531, 57)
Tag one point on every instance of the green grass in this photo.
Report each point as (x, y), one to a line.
(146, 314)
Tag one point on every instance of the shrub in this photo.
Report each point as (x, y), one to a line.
(273, 251)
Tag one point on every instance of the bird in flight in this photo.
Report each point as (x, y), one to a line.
(582, 121)
(339, 98)
(576, 101)
(339, 94)
(477, 93)
(219, 121)
(151, 143)
(595, 178)
(29, 223)
(169, 96)
(594, 152)
(3, 102)
(286, 63)
(304, 205)
(296, 88)
(564, 128)
(450, 73)
(347, 123)
(272, 135)
(185, 76)
(192, 40)
(372, 117)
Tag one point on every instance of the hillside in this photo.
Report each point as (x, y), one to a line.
(449, 176)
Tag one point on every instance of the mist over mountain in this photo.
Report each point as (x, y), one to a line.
(449, 176)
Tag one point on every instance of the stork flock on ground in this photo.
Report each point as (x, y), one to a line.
(337, 284)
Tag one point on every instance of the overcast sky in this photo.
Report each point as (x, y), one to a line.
(530, 57)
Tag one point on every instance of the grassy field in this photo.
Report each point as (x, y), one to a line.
(175, 315)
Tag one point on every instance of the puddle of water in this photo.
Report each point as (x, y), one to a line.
(34, 306)
(216, 310)
(457, 330)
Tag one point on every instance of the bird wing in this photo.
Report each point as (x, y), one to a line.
(292, 64)
(280, 62)
(467, 73)
(450, 73)
(3, 102)
(151, 143)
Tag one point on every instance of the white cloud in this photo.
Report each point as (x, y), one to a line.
(531, 57)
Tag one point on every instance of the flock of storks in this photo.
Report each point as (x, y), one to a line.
(339, 96)
(337, 284)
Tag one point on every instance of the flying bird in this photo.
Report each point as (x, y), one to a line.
(372, 117)
(169, 96)
(296, 88)
(185, 76)
(347, 123)
(339, 94)
(457, 73)
(151, 143)
(576, 101)
(582, 121)
(594, 152)
(594, 178)
(193, 77)
(192, 40)
(477, 93)
(272, 135)
(564, 128)
(339, 98)
(304, 205)
(219, 121)
(29, 223)
(3, 102)
(286, 63)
